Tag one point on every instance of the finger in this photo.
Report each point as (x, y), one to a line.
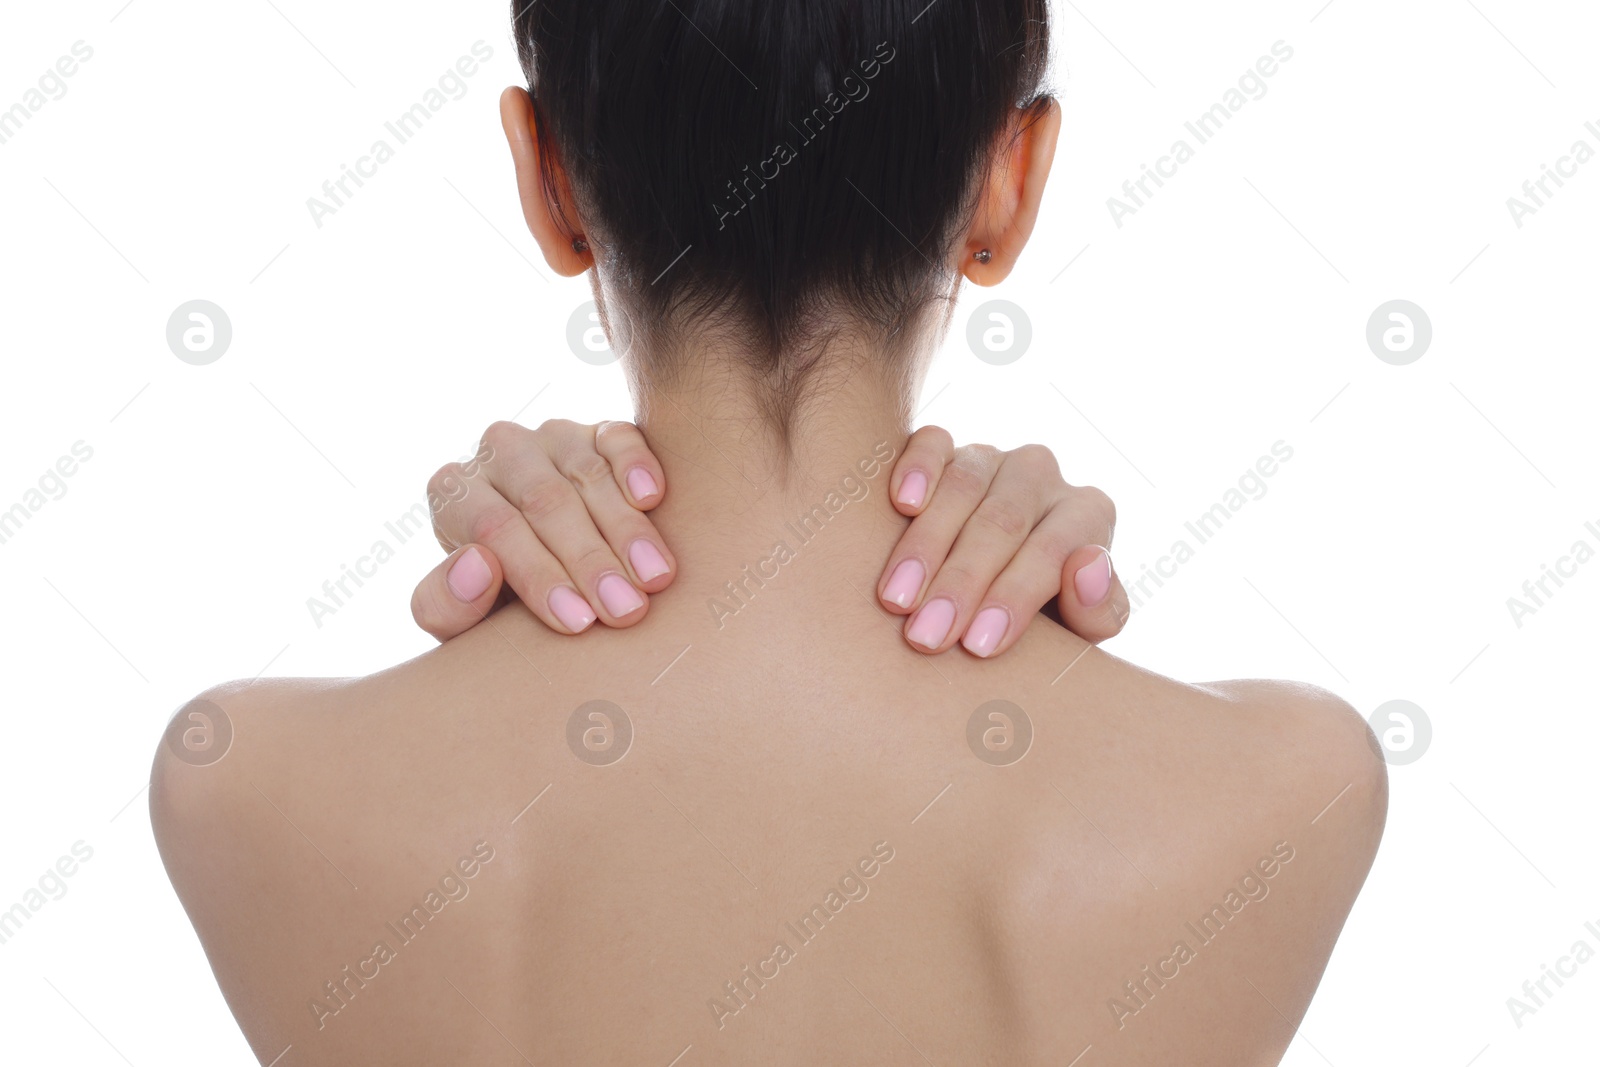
(916, 474)
(1081, 527)
(534, 573)
(483, 517)
(1067, 542)
(638, 473)
(558, 521)
(926, 543)
(629, 534)
(1030, 581)
(1093, 603)
(457, 594)
(455, 505)
(554, 543)
(985, 547)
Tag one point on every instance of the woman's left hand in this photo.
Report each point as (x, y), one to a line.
(996, 536)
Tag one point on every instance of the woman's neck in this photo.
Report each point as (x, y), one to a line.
(717, 438)
(737, 484)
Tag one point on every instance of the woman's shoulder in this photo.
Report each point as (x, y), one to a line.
(217, 749)
(1228, 763)
(1294, 763)
(1313, 739)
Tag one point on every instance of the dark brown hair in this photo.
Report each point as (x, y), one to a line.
(759, 164)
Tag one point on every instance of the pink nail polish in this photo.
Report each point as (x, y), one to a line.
(641, 484)
(904, 584)
(932, 624)
(647, 561)
(619, 596)
(913, 487)
(1093, 581)
(573, 611)
(986, 631)
(469, 576)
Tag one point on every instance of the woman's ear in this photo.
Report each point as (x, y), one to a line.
(556, 240)
(1009, 202)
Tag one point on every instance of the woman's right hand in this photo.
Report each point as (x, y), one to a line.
(558, 516)
(555, 514)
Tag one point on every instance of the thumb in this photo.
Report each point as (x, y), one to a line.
(459, 593)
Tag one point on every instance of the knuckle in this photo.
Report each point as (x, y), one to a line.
(592, 560)
(445, 479)
(1036, 457)
(616, 432)
(1005, 517)
(502, 435)
(543, 497)
(490, 521)
(987, 455)
(1101, 503)
(962, 480)
(449, 485)
(590, 471)
(556, 428)
(935, 438)
(1053, 544)
(956, 577)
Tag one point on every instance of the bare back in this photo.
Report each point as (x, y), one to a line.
(784, 839)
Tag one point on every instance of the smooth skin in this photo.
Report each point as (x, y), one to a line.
(950, 880)
(553, 511)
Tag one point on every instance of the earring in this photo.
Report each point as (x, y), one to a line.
(579, 245)
(983, 256)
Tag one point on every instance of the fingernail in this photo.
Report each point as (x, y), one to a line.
(913, 487)
(1093, 581)
(641, 484)
(469, 576)
(932, 625)
(647, 561)
(986, 631)
(619, 596)
(904, 584)
(573, 611)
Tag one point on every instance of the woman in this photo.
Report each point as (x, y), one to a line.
(755, 828)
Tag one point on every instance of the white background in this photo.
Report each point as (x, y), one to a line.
(1229, 313)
